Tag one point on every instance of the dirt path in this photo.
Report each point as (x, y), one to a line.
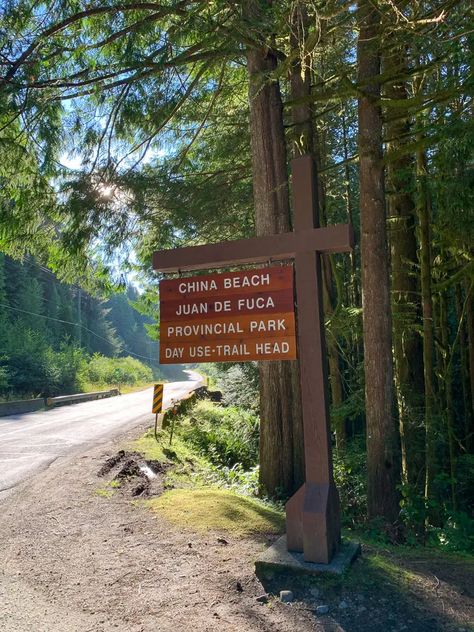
(74, 561)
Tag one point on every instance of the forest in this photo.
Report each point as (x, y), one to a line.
(57, 339)
(131, 127)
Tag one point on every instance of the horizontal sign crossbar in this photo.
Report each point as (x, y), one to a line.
(330, 239)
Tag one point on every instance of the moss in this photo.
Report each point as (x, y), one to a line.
(211, 508)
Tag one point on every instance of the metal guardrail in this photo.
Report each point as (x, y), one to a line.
(80, 397)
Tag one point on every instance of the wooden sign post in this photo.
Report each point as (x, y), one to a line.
(313, 522)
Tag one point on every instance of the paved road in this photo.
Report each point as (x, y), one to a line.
(30, 442)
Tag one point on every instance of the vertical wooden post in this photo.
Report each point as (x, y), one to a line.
(312, 514)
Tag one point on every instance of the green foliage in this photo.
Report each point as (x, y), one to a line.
(350, 475)
(101, 371)
(159, 117)
(226, 436)
(456, 534)
(451, 530)
(245, 481)
(239, 384)
(31, 367)
(48, 329)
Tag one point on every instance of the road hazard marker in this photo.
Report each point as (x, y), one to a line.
(157, 398)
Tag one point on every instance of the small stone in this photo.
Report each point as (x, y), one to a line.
(262, 599)
(322, 609)
(343, 605)
(315, 592)
(286, 596)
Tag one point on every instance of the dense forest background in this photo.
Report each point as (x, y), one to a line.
(57, 339)
(132, 127)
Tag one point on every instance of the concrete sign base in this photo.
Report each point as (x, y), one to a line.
(277, 559)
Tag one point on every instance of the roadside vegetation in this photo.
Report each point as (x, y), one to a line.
(209, 457)
(57, 339)
(214, 446)
(37, 370)
(169, 149)
(99, 372)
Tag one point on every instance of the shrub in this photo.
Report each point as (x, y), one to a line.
(101, 371)
(31, 367)
(225, 435)
(350, 472)
(239, 384)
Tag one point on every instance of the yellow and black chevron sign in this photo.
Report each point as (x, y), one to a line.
(157, 398)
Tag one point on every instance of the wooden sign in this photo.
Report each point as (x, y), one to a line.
(228, 317)
(312, 514)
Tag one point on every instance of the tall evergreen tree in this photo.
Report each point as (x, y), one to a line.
(382, 440)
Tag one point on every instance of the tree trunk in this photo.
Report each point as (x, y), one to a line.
(406, 307)
(335, 380)
(355, 294)
(447, 379)
(281, 429)
(382, 439)
(464, 362)
(469, 285)
(306, 141)
(300, 85)
(424, 218)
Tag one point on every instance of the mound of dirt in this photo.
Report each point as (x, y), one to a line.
(111, 463)
(134, 475)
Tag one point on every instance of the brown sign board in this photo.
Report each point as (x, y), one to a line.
(228, 317)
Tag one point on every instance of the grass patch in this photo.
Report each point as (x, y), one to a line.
(178, 452)
(205, 509)
(104, 493)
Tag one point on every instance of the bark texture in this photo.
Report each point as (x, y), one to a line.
(382, 439)
(469, 285)
(300, 85)
(406, 307)
(306, 140)
(464, 361)
(335, 378)
(281, 430)
(424, 219)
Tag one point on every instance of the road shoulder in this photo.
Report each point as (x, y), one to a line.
(76, 561)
